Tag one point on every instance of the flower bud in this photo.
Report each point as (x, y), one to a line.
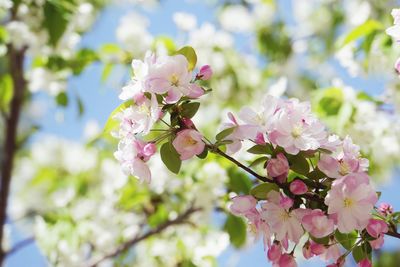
(376, 227)
(385, 208)
(287, 260)
(205, 73)
(298, 187)
(149, 149)
(278, 168)
(317, 249)
(274, 252)
(364, 263)
(397, 66)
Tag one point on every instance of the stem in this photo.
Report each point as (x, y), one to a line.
(15, 61)
(128, 244)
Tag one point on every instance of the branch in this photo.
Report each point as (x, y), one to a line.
(20, 245)
(128, 244)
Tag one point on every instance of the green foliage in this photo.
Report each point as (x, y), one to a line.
(346, 240)
(82, 59)
(239, 182)
(190, 55)
(365, 29)
(258, 161)
(361, 252)
(62, 99)
(299, 164)
(170, 157)
(190, 109)
(274, 42)
(224, 133)
(6, 91)
(236, 228)
(57, 15)
(261, 191)
(160, 216)
(260, 149)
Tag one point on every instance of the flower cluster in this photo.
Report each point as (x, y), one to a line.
(158, 82)
(315, 184)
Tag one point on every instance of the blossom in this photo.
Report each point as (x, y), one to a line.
(188, 143)
(170, 75)
(296, 129)
(298, 187)
(394, 31)
(243, 205)
(344, 161)
(139, 117)
(274, 252)
(351, 198)
(278, 168)
(377, 243)
(317, 223)
(397, 65)
(307, 253)
(132, 156)
(286, 260)
(205, 73)
(282, 222)
(385, 208)
(376, 227)
(184, 21)
(364, 263)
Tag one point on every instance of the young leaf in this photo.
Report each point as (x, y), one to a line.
(258, 161)
(56, 20)
(261, 191)
(237, 229)
(6, 91)
(259, 149)
(203, 154)
(224, 133)
(346, 240)
(62, 99)
(239, 182)
(170, 157)
(190, 109)
(299, 164)
(364, 29)
(190, 55)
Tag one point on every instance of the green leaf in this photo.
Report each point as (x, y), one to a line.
(316, 174)
(224, 133)
(112, 123)
(190, 109)
(322, 240)
(190, 55)
(6, 91)
(364, 29)
(81, 107)
(62, 99)
(346, 240)
(299, 164)
(258, 161)
(261, 191)
(83, 58)
(107, 69)
(362, 252)
(170, 157)
(160, 216)
(239, 182)
(203, 154)
(236, 228)
(55, 20)
(259, 149)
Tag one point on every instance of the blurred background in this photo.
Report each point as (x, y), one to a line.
(69, 203)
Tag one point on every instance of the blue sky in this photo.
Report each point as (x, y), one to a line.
(100, 99)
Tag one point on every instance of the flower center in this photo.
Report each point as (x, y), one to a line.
(190, 141)
(296, 131)
(174, 80)
(347, 202)
(344, 168)
(285, 216)
(144, 109)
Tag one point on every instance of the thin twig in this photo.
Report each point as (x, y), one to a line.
(20, 245)
(130, 243)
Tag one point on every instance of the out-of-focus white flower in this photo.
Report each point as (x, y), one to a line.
(278, 88)
(184, 21)
(20, 34)
(357, 11)
(91, 130)
(345, 56)
(6, 4)
(236, 18)
(132, 33)
(41, 79)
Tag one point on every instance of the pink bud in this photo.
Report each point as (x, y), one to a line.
(377, 243)
(260, 139)
(278, 168)
(364, 263)
(317, 249)
(298, 187)
(274, 252)
(286, 202)
(188, 122)
(307, 253)
(205, 73)
(397, 65)
(385, 208)
(287, 260)
(242, 205)
(149, 149)
(376, 227)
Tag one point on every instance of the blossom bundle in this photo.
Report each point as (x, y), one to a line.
(313, 184)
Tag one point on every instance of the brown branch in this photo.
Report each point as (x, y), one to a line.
(130, 243)
(16, 66)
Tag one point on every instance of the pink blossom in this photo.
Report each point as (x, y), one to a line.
(278, 168)
(296, 128)
(274, 252)
(332, 253)
(139, 117)
(377, 243)
(132, 156)
(188, 143)
(286, 202)
(307, 253)
(298, 187)
(317, 223)
(316, 248)
(170, 75)
(397, 65)
(352, 199)
(376, 227)
(364, 263)
(282, 222)
(286, 260)
(344, 161)
(243, 205)
(205, 73)
(385, 209)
